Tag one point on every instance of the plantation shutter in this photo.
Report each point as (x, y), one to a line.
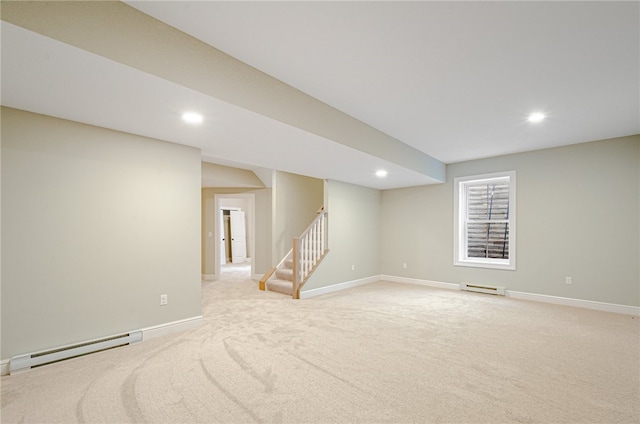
(487, 220)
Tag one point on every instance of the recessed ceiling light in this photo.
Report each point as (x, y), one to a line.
(536, 117)
(381, 173)
(192, 118)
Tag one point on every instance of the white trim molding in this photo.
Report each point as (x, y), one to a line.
(338, 287)
(556, 300)
(4, 367)
(208, 277)
(171, 327)
(578, 303)
(416, 281)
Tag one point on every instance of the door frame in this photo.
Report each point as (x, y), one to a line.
(217, 199)
(221, 221)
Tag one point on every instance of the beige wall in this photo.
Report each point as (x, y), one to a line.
(262, 230)
(296, 199)
(96, 225)
(577, 216)
(354, 236)
(214, 175)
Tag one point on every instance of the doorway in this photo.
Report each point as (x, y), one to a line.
(235, 234)
(233, 245)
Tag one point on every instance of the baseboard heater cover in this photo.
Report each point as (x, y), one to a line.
(482, 289)
(37, 359)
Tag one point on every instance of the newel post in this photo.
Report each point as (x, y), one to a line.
(295, 281)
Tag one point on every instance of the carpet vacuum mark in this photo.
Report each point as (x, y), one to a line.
(379, 353)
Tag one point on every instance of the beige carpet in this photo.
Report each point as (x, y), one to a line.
(381, 353)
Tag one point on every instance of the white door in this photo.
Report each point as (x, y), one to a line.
(238, 237)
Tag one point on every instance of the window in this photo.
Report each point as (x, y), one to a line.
(485, 221)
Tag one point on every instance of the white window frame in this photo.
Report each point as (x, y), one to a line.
(460, 257)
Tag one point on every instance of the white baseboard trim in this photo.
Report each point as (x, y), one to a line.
(208, 277)
(578, 303)
(257, 277)
(4, 367)
(171, 327)
(338, 287)
(556, 300)
(428, 283)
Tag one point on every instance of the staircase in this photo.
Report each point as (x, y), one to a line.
(282, 279)
(302, 260)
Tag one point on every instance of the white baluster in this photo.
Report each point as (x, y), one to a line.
(322, 231)
(314, 244)
(306, 262)
(304, 258)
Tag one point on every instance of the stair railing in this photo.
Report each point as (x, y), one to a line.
(271, 272)
(308, 251)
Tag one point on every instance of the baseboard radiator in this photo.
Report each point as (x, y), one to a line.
(482, 289)
(37, 359)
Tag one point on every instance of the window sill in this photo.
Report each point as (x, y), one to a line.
(489, 265)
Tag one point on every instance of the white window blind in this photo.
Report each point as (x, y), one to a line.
(487, 223)
(485, 208)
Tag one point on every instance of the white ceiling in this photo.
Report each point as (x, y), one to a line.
(63, 81)
(455, 80)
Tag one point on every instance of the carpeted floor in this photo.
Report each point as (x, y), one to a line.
(380, 353)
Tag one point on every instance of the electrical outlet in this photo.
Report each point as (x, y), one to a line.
(568, 280)
(404, 265)
(353, 267)
(164, 299)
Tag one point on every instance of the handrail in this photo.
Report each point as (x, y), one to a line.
(284, 259)
(320, 214)
(272, 271)
(308, 250)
